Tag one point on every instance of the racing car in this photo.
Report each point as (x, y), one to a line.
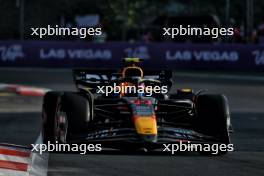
(133, 120)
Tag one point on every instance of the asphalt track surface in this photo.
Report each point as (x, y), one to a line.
(20, 124)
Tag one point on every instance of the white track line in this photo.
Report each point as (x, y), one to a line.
(14, 161)
(5, 172)
(39, 163)
(19, 159)
(36, 164)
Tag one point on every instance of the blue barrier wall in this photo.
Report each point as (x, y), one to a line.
(156, 55)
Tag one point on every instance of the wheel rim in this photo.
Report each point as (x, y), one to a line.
(61, 125)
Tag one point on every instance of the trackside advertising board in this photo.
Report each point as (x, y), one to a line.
(157, 55)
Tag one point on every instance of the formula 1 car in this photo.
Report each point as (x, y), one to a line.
(133, 120)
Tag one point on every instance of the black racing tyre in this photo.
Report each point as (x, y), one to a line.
(212, 116)
(50, 101)
(78, 111)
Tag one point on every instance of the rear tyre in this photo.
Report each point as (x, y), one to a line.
(212, 118)
(50, 101)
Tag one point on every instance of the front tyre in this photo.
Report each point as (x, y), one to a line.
(49, 106)
(73, 114)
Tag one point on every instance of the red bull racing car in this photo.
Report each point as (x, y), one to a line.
(133, 108)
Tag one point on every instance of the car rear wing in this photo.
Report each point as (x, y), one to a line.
(91, 78)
